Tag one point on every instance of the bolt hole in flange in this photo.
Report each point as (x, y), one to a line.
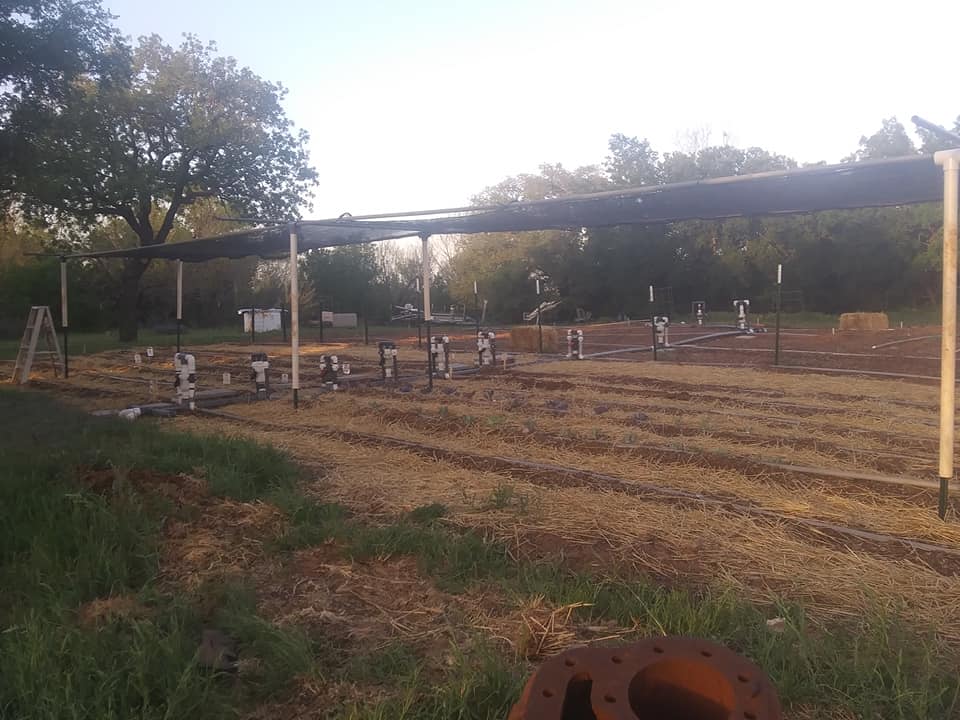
(679, 689)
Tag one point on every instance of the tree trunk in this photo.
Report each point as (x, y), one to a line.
(133, 270)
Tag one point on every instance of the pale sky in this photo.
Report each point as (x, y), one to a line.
(419, 104)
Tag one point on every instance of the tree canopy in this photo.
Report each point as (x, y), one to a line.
(108, 143)
(864, 259)
(178, 125)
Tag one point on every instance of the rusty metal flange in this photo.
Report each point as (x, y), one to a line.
(670, 678)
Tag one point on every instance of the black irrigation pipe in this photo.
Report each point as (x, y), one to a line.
(648, 348)
(872, 356)
(619, 483)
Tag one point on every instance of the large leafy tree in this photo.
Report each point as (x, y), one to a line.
(185, 124)
(44, 44)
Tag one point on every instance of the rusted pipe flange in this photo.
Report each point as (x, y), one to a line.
(670, 678)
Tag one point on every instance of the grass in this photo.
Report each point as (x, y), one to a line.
(62, 545)
(875, 666)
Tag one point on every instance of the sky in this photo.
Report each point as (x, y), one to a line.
(417, 104)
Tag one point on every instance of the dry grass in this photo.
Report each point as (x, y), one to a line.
(864, 321)
(526, 338)
(813, 497)
(103, 610)
(763, 559)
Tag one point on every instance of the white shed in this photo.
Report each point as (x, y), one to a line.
(266, 319)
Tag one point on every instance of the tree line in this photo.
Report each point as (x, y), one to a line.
(869, 259)
(107, 143)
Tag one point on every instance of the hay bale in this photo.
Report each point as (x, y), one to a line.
(864, 321)
(524, 338)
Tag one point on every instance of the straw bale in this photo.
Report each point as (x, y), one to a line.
(864, 321)
(526, 338)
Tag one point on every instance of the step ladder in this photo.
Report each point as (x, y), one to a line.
(39, 327)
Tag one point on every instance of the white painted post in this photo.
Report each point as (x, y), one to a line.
(427, 314)
(64, 321)
(179, 289)
(179, 300)
(294, 317)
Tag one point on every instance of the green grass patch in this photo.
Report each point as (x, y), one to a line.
(481, 685)
(393, 663)
(63, 545)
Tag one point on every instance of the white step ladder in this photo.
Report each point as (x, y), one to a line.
(39, 326)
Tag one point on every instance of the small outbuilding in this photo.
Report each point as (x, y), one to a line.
(264, 319)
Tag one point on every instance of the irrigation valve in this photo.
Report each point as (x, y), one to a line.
(486, 348)
(661, 323)
(440, 354)
(743, 314)
(388, 359)
(575, 344)
(185, 378)
(259, 365)
(328, 373)
(699, 311)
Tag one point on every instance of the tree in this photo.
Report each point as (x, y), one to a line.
(185, 125)
(44, 44)
(632, 162)
(503, 263)
(890, 141)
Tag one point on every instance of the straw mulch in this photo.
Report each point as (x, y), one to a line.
(760, 558)
(809, 497)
